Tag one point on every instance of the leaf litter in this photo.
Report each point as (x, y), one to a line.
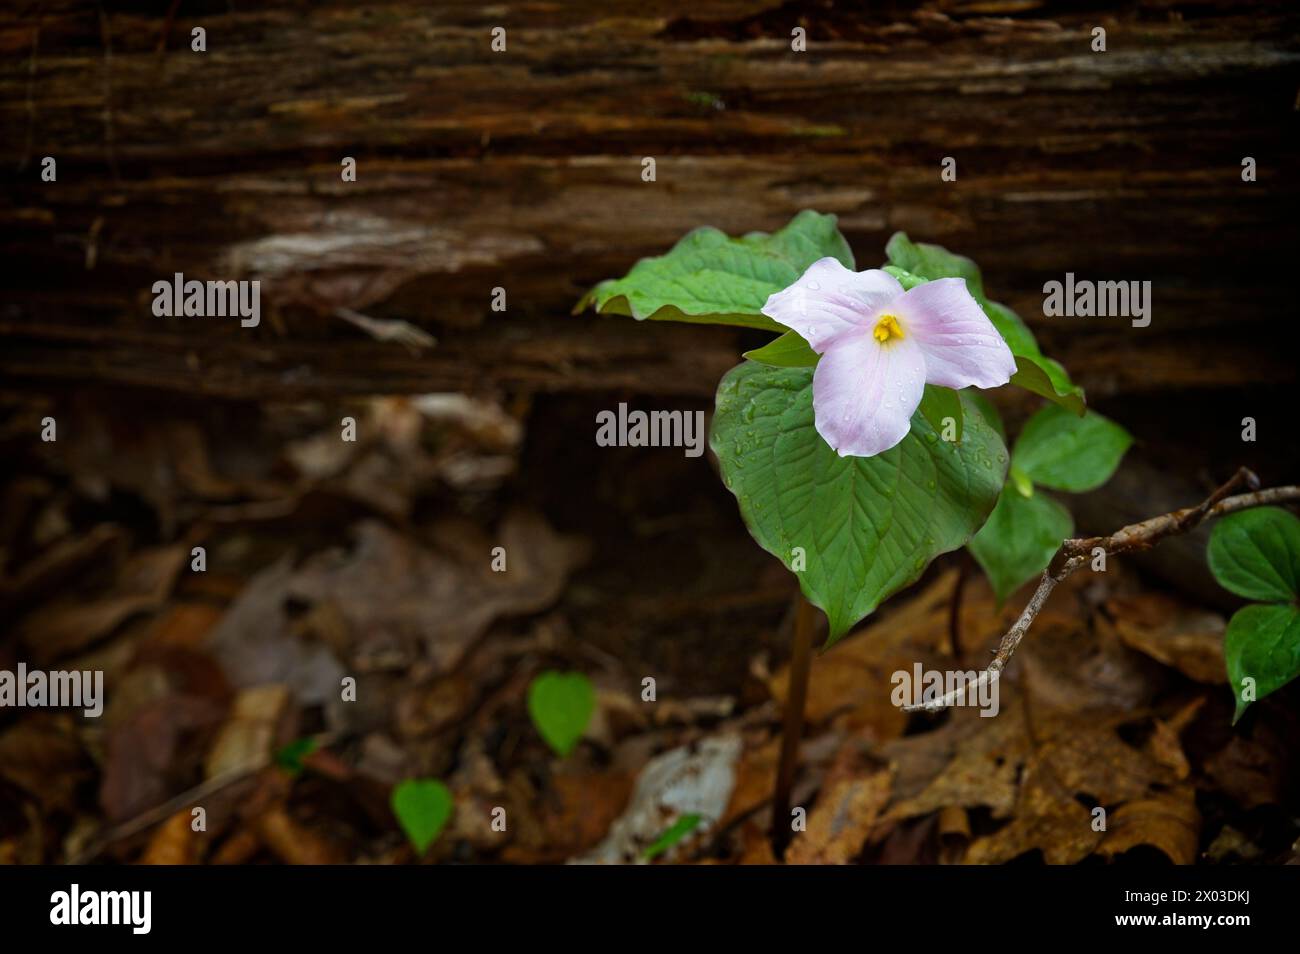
(329, 560)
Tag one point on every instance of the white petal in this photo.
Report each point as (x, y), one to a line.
(960, 344)
(828, 300)
(864, 393)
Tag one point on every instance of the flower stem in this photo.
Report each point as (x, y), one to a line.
(792, 730)
(954, 607)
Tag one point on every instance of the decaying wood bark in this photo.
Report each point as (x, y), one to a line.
(522, 169)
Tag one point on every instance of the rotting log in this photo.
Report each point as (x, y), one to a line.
(522, 170)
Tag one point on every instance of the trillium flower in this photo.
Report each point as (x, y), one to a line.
(881, 345)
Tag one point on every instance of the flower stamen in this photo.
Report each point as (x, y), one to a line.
(886, 328)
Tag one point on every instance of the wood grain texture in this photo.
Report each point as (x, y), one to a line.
(522, 170)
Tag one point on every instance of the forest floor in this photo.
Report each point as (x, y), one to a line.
(372, 559)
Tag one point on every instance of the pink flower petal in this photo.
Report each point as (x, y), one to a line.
(960, 344)
(829, 300)
(864, 393)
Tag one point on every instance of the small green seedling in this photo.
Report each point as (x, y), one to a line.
(561, 704)
(422, 807)
(671, 835)
(291, 757)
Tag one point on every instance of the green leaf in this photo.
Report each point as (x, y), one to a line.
(561, 704)
(905, 278)
(712, 279)
(422, 807)
(1020, 480)
(290, 757)
(938, 405)
(867, 526)
(788, 351)
(672, 835)
(1034, 370)
(1256, 554)
(987, 410)
(933, 261)
(1012, 329)
(1262, 644)
(1042, 376)
(1064, 452)
(1019, 539)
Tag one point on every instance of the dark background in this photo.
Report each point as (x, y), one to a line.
(523, 170)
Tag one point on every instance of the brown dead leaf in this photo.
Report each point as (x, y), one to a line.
(42, 755)
(841, 820)
(161, 709)
(60, 563)
(1038, 768)
(183, 625)
(975, 761)
(255, 645)
(567, 818)
(756, 844)
(1164, 744)
(1169, 821)
(174, 842)
(295, 843)
(421, 598)
(853, 677)
(238, 849)
(1253, 770)
(1170, 632)
(260, 719)
(73, 622)
(755, 775)
(1045, 819)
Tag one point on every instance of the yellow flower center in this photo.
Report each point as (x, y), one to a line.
(887, 328)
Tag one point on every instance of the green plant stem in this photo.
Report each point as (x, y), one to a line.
(792, 730)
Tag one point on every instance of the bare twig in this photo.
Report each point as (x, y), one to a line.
(1076, 552)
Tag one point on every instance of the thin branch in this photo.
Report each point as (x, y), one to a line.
(1076, 552)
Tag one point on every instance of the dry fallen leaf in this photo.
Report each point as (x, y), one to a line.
(1046, 819)
(1168, 821)
(174, 842)
(841, 820)
(1190, 640)
(425, 599)
(75, 621)
(690, 780)
(42, 755)
(853, 678)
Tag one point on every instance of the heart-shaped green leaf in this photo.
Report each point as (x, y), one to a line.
(1256, 554)
(855, 530)
(1261, 650)
(561, 704)
(1020, 538)
(422, 807)
(712, 279)
(1059, 450)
